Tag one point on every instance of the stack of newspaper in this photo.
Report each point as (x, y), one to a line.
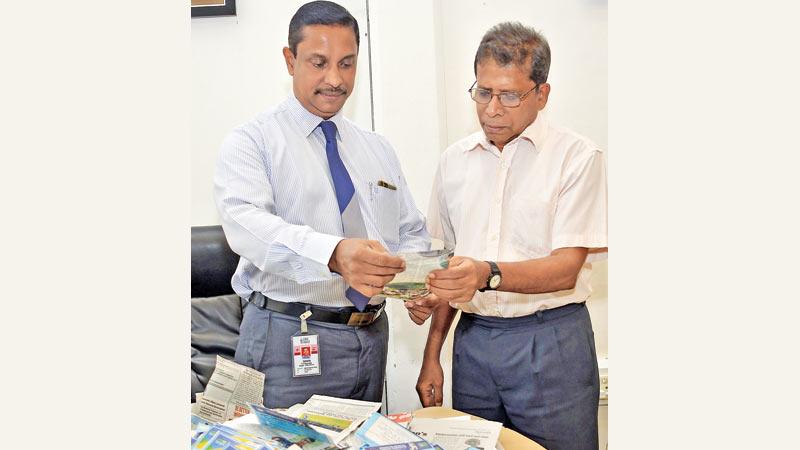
(230, 415)
(320, 423)
(459, 432)
(454, 433)
(327, 423)
(246, 435)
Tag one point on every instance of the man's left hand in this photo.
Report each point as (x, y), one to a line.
(460, 280)
(419, 310)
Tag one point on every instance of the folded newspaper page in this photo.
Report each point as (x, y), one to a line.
(196, 404)
(279, 439)
(410, 283)
(280, 421)
(458, 434)
(403, 419)
(334, 417)
(231, 387)
(379, 430)
(352, 441)
(420, 445)
(223, 437)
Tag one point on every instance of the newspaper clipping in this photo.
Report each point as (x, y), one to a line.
(231, 387)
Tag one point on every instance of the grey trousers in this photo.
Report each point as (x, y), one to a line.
(352, 359)
(536, 374)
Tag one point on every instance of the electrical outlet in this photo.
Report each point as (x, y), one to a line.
(602, 365)
(604, 386)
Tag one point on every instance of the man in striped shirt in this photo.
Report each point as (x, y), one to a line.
(315, 206)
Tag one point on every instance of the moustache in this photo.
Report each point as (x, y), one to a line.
(337, 91)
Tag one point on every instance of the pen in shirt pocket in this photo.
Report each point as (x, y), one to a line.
(386, 185)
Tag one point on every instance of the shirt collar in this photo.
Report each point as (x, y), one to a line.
(535, 133)
(306, 120)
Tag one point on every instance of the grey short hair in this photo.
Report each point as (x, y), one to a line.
(514, 43)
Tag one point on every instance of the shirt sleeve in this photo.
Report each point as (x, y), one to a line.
(581, 216)
(439, 224)
(246, 206)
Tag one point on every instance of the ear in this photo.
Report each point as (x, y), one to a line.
(542, 95)
(290, 60)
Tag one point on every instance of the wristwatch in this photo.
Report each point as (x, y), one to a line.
(495, 278)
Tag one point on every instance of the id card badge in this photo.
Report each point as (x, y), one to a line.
(305, 351)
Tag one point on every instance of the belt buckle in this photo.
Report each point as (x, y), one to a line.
(359, 319)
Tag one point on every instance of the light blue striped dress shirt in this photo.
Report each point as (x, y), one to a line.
(278, 208)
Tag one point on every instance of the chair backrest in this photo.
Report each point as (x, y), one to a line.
(216, 309)
(213, 262)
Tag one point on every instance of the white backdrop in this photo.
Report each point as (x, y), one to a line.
(422, 54)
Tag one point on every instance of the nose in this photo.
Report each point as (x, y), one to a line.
(494, 108)
(333, 77)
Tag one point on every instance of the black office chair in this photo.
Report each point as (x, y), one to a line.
(216, 309)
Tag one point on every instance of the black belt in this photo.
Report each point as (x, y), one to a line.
(347, 315)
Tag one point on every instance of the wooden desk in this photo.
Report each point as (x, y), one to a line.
(509, 439)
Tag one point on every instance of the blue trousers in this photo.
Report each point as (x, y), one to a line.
(536, 374)
(352, 359)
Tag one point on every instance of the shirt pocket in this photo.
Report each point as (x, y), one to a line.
(531, 225)
(386, 210)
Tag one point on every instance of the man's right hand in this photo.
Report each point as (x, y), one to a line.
(429, 384)
(365, 265)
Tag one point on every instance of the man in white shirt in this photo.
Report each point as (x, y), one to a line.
(525, 203)
(314, 204)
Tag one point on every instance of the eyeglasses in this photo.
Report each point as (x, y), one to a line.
(507, 99)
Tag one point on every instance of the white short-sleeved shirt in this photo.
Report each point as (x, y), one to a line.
(546, 190)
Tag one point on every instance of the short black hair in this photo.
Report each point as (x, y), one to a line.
(319, 13)
(513, 43)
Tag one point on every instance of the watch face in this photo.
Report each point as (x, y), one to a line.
(494, 281)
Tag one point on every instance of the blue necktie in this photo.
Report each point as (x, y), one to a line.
(352, 221)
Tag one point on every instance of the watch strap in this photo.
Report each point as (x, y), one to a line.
(493, 270)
